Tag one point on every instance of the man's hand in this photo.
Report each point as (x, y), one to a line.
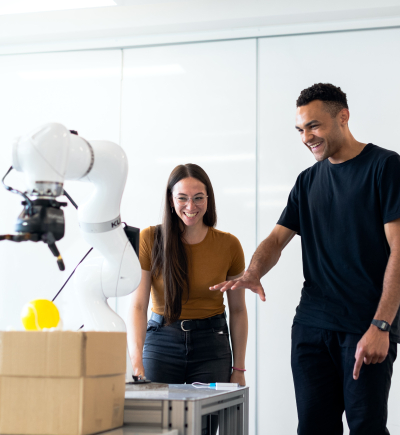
(371, 349)
(249, 280)
(264, 259)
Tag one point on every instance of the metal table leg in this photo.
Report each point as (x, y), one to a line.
(246, 411)
(221, 419)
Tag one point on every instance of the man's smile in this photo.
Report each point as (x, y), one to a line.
(314, 146)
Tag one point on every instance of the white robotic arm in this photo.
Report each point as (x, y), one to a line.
(47, 157)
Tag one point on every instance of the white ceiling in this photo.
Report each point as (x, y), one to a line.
(138, 18)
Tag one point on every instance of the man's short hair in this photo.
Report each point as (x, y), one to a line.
(334, 98)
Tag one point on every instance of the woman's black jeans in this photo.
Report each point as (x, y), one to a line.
(188, 351)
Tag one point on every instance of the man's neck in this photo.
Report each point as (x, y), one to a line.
(350, 149)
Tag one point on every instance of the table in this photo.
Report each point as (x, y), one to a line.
(187, 408)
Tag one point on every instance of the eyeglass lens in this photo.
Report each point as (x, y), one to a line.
(197, 200)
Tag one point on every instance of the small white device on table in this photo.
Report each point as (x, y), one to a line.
(187, 408)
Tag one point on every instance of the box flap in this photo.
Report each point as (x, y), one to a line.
(62, 353)
(41, 353)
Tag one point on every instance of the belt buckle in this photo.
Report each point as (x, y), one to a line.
(183, 329)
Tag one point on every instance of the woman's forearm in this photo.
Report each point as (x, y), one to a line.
(137, 322)
(238, 326)
(137, 326)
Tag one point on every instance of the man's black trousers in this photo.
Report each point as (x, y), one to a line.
(322, 366)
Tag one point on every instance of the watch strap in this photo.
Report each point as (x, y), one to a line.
(381, 324)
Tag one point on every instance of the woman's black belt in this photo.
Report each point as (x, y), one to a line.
(191, 324)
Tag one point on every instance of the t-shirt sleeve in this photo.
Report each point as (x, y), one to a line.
(389, 189)
(145, 248)
(290, 217)
(237, 263)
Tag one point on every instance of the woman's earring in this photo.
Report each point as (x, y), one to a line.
(172, 210)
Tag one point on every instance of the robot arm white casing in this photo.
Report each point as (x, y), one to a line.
(48, 156)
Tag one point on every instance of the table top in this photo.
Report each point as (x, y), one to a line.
(154, 391)
(140, 430)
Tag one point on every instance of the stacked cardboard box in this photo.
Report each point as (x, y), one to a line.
(61, 382)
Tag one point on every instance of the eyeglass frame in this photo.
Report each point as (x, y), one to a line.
(190, 198)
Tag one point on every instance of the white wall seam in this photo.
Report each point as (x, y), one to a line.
(120, 124)
(256, 235)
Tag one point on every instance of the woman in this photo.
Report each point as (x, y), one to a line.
(187, 338)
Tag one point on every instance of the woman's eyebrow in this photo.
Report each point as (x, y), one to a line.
(184, 194)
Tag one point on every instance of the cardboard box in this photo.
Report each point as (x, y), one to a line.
(61, 382)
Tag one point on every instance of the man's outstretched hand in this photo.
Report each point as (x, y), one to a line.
(371, 349)
(248, 280)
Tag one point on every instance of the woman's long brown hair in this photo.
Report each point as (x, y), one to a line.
(168, 255)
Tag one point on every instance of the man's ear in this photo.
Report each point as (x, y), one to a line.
(344, 116)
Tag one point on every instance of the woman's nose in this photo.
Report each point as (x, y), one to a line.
(190, 204)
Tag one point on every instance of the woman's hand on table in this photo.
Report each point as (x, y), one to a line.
(138, 369)
(238, 378)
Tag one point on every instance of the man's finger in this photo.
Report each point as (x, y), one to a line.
(377, 359)
(218, 286)
(258, 289)
(261, 293)
(374, 360)
(228, 286)
(367, 360)
(358, 364)
(240, 285)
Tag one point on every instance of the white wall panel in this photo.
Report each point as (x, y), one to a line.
(366, 66)
(82, 91)
(193, 104)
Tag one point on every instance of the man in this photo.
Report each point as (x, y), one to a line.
(346, 208)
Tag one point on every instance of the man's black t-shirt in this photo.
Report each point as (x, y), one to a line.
(339, 210)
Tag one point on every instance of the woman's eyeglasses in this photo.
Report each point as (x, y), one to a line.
(197, 200)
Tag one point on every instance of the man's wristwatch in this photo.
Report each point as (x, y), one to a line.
(381, 324)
